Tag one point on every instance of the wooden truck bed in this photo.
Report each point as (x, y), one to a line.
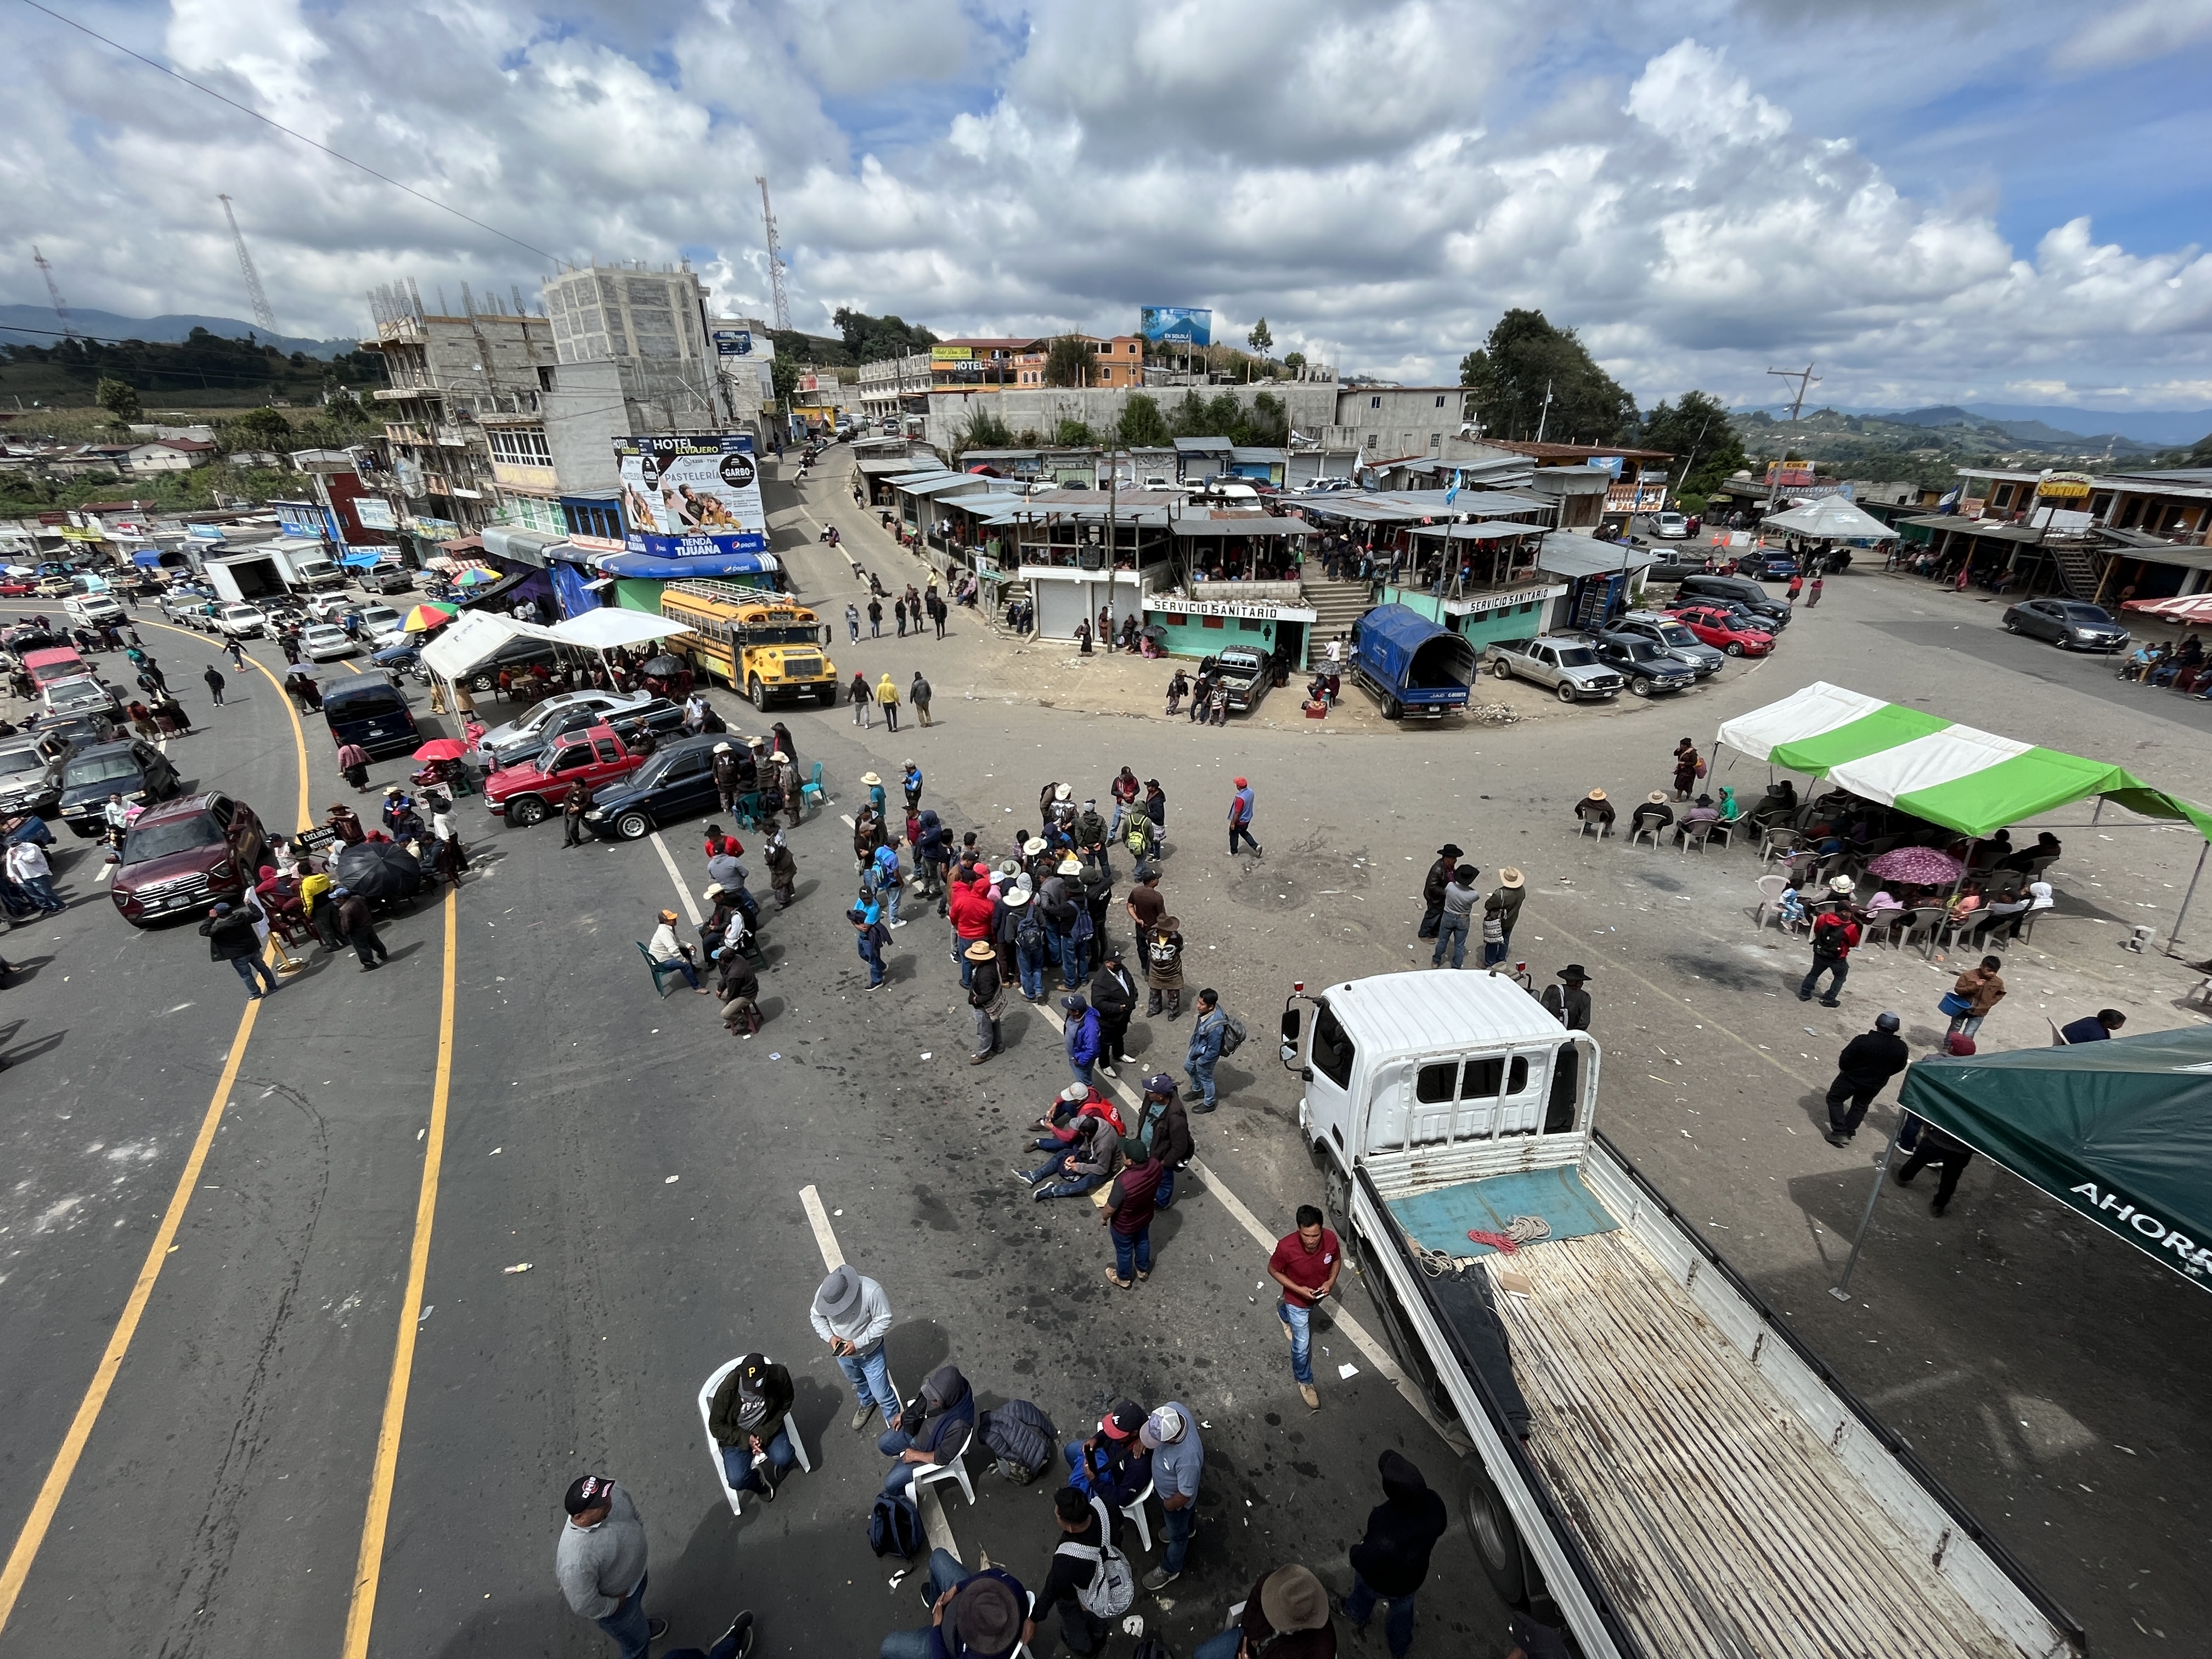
(1723, 1527)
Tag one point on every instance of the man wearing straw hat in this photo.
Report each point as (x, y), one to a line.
(1500, 911)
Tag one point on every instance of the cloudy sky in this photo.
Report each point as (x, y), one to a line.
(1989, 200)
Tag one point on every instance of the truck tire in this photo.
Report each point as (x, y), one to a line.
(756, 694)
(1641, 685)
(1497, 666)
(632, 825)
(1490, 1529)
(483, 681)
(1393, 709)
(1336, 1198)
(525, 809)
(1565, 692)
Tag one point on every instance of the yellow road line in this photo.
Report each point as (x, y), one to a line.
(298, 732)
(361, 1613)
(48, 1501)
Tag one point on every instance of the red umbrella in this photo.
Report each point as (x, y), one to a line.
(441, 748)
(2189, 607)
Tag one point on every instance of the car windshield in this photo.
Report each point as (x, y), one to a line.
(172, 836)
(2088, 613)
(15, 763)
(1642, 650)
(72, 692)
(1577, 657)
(111, 767)
(1676, 634)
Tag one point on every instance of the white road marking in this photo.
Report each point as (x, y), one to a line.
(933, 1523)
(690, 907)
(106, 874)
(847, 819)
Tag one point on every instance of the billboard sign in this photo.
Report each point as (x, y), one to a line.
(1176, 325)
(374, 513)
(694, 497)
(951, 353)
(734, 342)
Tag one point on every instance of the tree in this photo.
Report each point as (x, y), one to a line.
(1268, 424)
(118, 398)
(1260, 339)
(1074, 435)
(783, 375)
(872, 339)
(1295, 361)
(984, 430)
(1141, 423)
(257, 428)
(1067, 361)
(344, 410)
(1523, 360)
(1702, 440)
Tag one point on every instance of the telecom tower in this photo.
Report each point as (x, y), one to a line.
(775, 265)
(68, 328)
(262, 314)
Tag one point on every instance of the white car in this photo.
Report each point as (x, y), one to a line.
(242, 621)
(327, 607)
(325, 641)
(516, 734)
(1671, 525)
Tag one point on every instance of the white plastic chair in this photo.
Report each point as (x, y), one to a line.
(1770, 898)
(2057, 1038)
(1645, 830)
(1133, 1511)
(954, 1468)
(706, 1392)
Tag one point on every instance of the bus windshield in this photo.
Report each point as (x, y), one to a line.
(801, 635)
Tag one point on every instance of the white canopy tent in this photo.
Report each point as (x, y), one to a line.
(1830, 519)
(473, 638)
(608, 628)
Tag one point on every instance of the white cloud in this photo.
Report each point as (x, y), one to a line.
(1380, 183)
(2131, 33)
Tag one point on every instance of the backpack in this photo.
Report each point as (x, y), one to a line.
(1232, 1033)
(1113, 1588)
(895, 1527)
(1022, 1437)
(1029, 929)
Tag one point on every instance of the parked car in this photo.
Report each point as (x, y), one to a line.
(183, 854)
(184, 606)
(31, 774)
(674, 783)
(1776, 567)
(129, 767)
(1677, 566)
(91, 726)
(1723, 629)
(1670, 527)
(379, 624)
(528, 732)
(386, 579)
(1245, 676)
(525, 793)
(1665, 630)
(15, 588)
(242, 621)
(1737, 590)
(64, 699)
(517, 654)
(370, 712)
(1650, 667)
(321, 641)
(1569, 667)
(327, 607)
(2067, 624)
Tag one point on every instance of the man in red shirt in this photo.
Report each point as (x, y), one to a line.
(1834, 932)
(1305, 1264)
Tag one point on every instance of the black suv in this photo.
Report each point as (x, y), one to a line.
(1648, 667)
(128, 766)
(1739, 591)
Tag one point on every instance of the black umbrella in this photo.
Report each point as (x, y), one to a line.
(378, 870)
(663, 663)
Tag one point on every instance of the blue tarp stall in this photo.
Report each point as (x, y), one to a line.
(643, 566)
(574, 587)
(362, 557)
(147, 558)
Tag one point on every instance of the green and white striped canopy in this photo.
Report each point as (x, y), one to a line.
(1975, 782)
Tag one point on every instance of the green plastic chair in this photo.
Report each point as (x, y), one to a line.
(812, 788)
(657, 968)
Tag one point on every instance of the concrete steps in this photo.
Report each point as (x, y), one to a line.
(1336, 605)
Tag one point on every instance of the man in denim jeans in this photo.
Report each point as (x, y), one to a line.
(1458, 916)
(1170, 1433)
(851, 1313)
(1305, 1264)
(1391, 1562)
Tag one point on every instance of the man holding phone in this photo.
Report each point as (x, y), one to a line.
(1305, 1264)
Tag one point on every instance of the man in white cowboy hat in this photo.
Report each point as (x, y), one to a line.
(1500, 912)
(986, 995)
(736, 775)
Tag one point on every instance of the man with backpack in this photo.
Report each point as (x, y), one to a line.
(1209, 1040)
(1834, 932)
(1032, 942)
(1090, 1581)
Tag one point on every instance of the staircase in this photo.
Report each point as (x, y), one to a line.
(2078, 568)
(1336, 605)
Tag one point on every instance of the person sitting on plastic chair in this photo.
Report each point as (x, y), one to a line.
(932, 1429)
(748, 1424)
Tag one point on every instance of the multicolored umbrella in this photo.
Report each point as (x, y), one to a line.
(424, 618)
(476, 576)
(1918, 866)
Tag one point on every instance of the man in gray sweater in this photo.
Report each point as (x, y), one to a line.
(601, 1564)
(851, 1313)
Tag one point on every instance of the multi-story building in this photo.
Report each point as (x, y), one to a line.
(1118, 361)
(454, 382)
(894, 387)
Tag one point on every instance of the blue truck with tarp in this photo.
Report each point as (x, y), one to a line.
(1413, 665)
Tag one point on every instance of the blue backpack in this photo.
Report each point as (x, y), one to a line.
(895, 1527)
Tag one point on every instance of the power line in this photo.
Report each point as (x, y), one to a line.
(288, 131)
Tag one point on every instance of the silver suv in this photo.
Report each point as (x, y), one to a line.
(1680, 643)
(1569, 667)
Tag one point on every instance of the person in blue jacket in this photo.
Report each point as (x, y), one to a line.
(1083, 1037)
(1205, 1048)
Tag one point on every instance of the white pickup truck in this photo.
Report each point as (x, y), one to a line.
(1654, 1449)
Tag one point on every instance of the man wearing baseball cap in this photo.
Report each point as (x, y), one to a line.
(600, 1563)
(1240, 819)
(1170, 1434)
(1112, 1462)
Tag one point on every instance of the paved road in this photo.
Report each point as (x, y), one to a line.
(221, 1498)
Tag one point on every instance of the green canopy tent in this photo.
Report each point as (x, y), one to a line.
(1975, 782)
(2119, 1131)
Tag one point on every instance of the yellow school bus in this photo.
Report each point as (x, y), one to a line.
(758, 642)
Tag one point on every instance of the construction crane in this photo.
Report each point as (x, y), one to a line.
(775, 265)
(1807, 379)
(262, 314)
(68, 328)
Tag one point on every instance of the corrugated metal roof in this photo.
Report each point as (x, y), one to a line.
(925, 473)
(1436, 1010)
(1568, 554)
(1200, 446)
(940, 485)
(1241, 454)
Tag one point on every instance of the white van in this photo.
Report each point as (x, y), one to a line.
(94, 610)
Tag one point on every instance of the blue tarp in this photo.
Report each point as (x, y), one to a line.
(364, 559)
(147, 558)
(644, 567)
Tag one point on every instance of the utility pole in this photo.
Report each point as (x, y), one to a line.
(1805, 381)
(262, 313)
(775, 265)
(1544, 413)
(54, 294)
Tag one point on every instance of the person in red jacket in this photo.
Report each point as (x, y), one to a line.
(1834, 932)
(968, 903)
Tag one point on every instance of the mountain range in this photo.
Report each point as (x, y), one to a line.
(2056, 425)
(37, 326)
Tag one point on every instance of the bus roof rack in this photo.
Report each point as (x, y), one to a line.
(730, 593)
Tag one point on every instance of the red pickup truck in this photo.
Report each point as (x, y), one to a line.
(526, 793)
